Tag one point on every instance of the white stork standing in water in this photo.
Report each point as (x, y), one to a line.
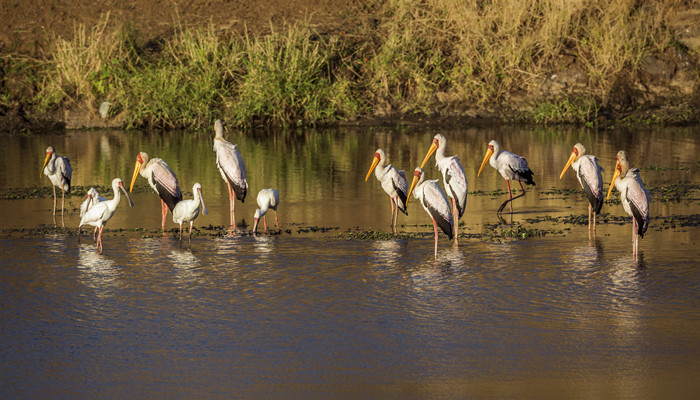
(589, 174)
(188, 210)
(93, 197)
(511, 166)
(59, 171)
(267, 199)
(633, 195)
(162, 179)
(100, 213)
(454, 178)
(394, 184)
(231, 167)
(434, 201)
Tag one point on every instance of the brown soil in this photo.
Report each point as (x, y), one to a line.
(27, 23)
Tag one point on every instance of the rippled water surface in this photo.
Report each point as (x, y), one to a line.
(312, 315)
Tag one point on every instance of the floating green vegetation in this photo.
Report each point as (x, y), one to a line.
(499, 232)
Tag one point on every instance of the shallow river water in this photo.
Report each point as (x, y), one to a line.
(311, 314)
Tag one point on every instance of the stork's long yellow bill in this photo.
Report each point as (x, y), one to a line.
(46, 161)
(137, 168)
(431, 150)
(413, 186)
(615, 175)
(374, 165)
(568, 163)
(488, 155)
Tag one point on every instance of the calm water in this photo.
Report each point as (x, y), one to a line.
(313, 316)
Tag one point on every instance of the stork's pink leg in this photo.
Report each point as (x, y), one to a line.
(164, 212)
(392, 211)
(189, 238)
(232, 204)
(99, 241)
(63, 205)
(455, 220)
(265, 222)
(590, 209)
(277, 223)
(436, 235)
(54, 205)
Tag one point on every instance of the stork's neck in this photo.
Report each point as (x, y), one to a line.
(440, 152)
(381, 169)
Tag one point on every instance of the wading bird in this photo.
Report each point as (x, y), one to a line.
(634, 197)
(59, 171)
(188, 210)
(231, 167)
(511, 166)
(434, 202)
(162, 179)
(454, 178)
(93, 197)
(589, 174)
(394, 184)
(267, 199)
(100, 213)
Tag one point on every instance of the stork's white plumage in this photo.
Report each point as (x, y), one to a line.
(511, 166)
(60, 172)
(100, 213)
(393, 182)
(434, 202)
(267, 199)
(162, 179)
(589, 174)
(188, 210)
(231, 167)
(93, 197)
(633, 195)
(456, 185)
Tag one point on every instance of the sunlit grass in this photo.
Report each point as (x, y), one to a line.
(474, 53)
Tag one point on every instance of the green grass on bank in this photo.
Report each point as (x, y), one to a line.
(409, 58)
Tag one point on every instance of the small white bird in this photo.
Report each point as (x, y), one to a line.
(590, 176)
(511, 166)
(393, 182)
(453, 177)
(232, 169)
(93, 198)
(100, 213)
(434, 202)
(633, 195)
(267, 199)
(188, 210)
(59, 171)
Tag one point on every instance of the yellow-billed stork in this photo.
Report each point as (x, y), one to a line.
(393, 182)
(162, 179)
(434, 202)
(59, 171)
(511, 166)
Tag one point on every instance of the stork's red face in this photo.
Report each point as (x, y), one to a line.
(139, 159)
(377, 155)
(576, 151)
(416, 173)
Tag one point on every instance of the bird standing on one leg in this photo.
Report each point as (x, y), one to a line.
(267, 199)
(59, 171)
(634, 197)
(434, 202)
(394, 184)
(232, 169)
(589, 174)
(162, 179)
(511, 166)
(453, 176)
(188, 210)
